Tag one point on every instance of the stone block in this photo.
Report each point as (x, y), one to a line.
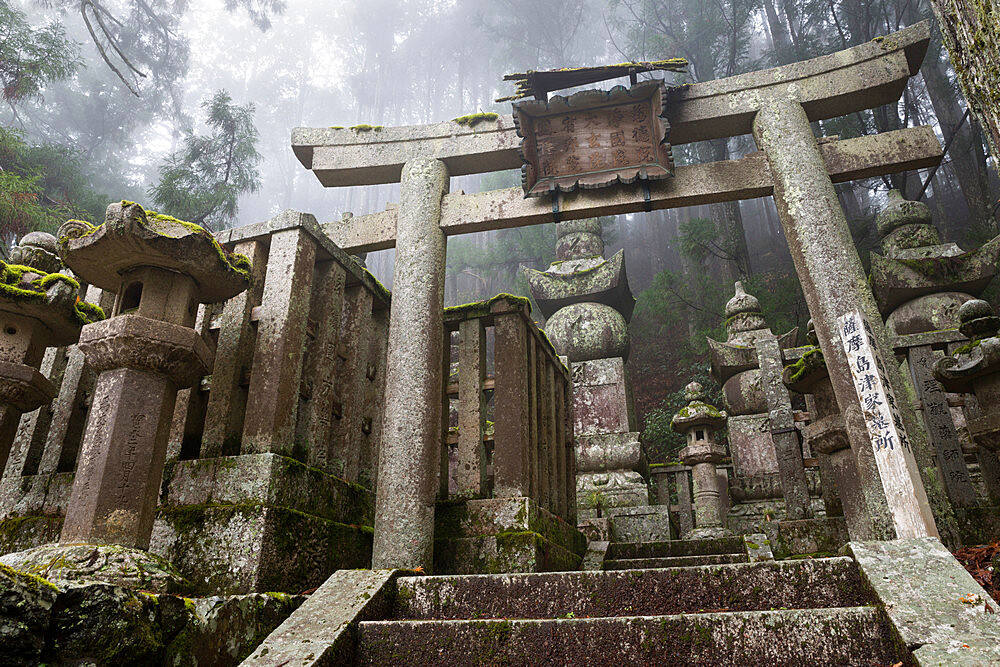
(806, 536)
(503, 535)
(598, 492)
(261, 522)
(608, 451)
(600, 397)
(649, 523)
(231, 549)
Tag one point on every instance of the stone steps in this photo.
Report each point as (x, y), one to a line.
(704, 547)
(829, 582)
(837, 636)
(673, 561)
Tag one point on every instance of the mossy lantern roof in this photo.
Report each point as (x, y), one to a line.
(50, 298)
(131, 238)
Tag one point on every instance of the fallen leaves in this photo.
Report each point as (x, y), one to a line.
(979, 561)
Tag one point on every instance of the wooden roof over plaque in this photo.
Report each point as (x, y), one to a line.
(594, 138)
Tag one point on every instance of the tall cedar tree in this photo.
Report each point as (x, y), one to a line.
(203, 181)
(31, 56)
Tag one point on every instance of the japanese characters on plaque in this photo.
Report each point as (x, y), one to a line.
(878, 402)
(593, 138)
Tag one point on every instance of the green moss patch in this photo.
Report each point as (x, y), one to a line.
(15, 286)
(473, 119)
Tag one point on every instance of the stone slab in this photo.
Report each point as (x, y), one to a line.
(268, 479)
(830, 582)
(934, 604)
(777, 638)
(323, 631)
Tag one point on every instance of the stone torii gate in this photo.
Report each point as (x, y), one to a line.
(793, 166)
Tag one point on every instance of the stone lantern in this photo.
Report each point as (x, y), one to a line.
(39, 308)
(161, 269)
(699, 422)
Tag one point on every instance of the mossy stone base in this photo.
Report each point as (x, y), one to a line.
(104, 624)
(245, 548)
(978, 525)
(32, 509)
(18, 533)
(825, 535)
(82, 564)
(497, 535)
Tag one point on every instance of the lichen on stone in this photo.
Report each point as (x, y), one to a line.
(14, 286)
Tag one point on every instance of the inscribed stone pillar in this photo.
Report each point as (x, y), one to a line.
(411, 431)
(835, 287)
(698, 422)
(162, 269)
(38, 308)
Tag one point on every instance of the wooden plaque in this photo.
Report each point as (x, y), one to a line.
(594, 138)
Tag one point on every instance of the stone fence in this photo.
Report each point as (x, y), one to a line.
(272, 457)
(526, 464)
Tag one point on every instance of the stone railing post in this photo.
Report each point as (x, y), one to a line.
(698, 422)
(821, 247)
(162, 269)
(408, 460)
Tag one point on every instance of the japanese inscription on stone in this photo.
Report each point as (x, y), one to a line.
(878, 403)
(890, 443)
(593, 139)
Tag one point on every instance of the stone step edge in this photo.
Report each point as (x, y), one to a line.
(707, 615)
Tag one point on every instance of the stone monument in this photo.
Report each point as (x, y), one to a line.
(587, 303)
(40, 308)
(161, 268)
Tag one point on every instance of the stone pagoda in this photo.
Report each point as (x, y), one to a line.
(763, 440)
(587, 303)
(699, 421)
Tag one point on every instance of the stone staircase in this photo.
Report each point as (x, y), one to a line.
(675, 553)
(816, 612)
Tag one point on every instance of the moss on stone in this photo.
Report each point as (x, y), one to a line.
(968, 347)
(32, 580)
(807, 362)
(365, 127)
(473, 119)
(381, 290)
(14, 286)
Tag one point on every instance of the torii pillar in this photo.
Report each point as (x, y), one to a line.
(835, 286)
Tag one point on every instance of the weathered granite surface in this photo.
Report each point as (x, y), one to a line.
(104, 624)
(938, 610)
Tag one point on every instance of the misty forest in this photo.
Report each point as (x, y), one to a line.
(188, 107)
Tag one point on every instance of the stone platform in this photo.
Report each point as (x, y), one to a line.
(503, 535)
(260, 522)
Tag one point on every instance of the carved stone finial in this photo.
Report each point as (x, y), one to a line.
(578, 239)
(38, 250)
(743, 313)
(977, 319)
(694, 392)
